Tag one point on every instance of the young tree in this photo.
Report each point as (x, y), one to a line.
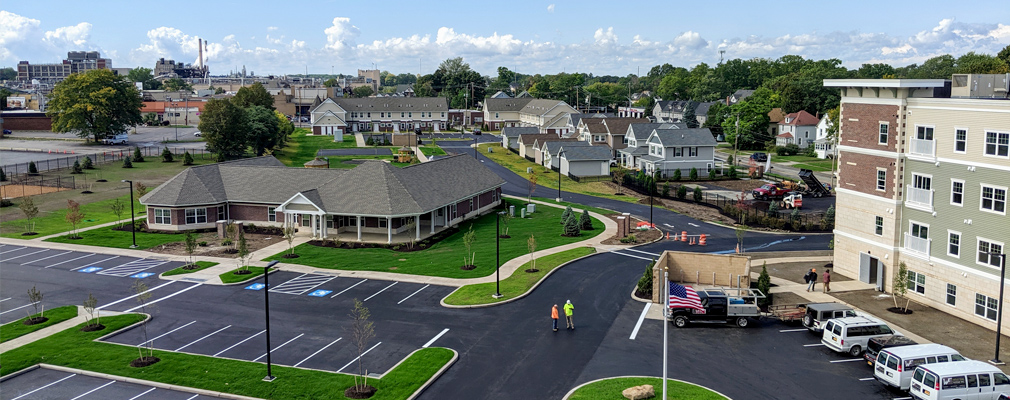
(740, 232)
(828, 222)
(697, 194)
(35, 299)
(572, 226)
(773, 209)
(468, 239)
(94, 104)
(229, 234)
(224, 127)
(732, 172)
(531, 245)
(681, 192)
(74, 217)
(187, 159)
(362, 331)
(138, 156)
(142, 295)
(118, 208)
(693, 174)
(644, 287)
(619, 175)
(76, 168)
(585, 222)
(505, 219)
(88, 164)
(901, 283)
(190, 246)
(32, 169)
(666, 189)
(676, 175)
(289, 236)
(764, 284)
(127, 163)
(31, 211)
(140, 188)
(532, 185)
(90, 307)
(166, 155)
(243, 249)
(566, 214)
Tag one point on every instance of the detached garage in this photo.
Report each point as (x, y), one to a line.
(584, 161)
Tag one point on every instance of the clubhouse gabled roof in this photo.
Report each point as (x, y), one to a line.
(372, 188)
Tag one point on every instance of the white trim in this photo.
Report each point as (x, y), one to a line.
(974, 304)
(885, 83)
(958, 108)
(887, 135)
(946, 292)
(916, 284)
(864, 240)
(974, 164)
(954, 149)
(875, 226)
(866, 196)
(869, 152)
(960, 244)
(951, 199)
(982, 186)
(985, 143)
(871, 100)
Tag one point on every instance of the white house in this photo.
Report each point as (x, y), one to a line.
(799, 127)
(823, 145)
(635, 137)
(549, 151)
(584, 160)
(683, 149)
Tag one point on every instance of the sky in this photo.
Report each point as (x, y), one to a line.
(545, 37)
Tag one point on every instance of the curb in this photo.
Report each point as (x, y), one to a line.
(570, 392)
(202, 392)
(438, 374)
(247, 280)
(524, 294)
(633, 297)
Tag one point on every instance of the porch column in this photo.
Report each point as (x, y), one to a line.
(417, 227)
(432, 222)
(389, 230)
(358, 220)
(314, 217)
(325, 232)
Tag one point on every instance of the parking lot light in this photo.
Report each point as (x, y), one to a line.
(497, 256)
(133, 221)
(999, 312)
(266, 313)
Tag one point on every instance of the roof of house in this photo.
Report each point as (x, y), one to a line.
(776, 115)
(672, 105)
(540, 106)
(515, 131)
(595, 125)
(686, 137)
(553, 146)
(529, 139)
(702, 109)
(635, 151)
(372, 188)
(500, 95)
(587, 153)
(800, 118)
(740, 95)
(642, 130)
(524, 95)
(619, 126)
(574, 118)
(391, 103)
(506, 105)
(785, 135)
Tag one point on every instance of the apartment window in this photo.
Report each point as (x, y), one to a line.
(993, 199)
(954, 244)
(916, 282)
(881, 179)
(196, 216)
(960, 140)
(495, 115)
(163, 216)
(924, 133)
(985, 306)
(272, 214)
(678, 151)
(988, 252)
(694, 151)
(956, 192)
(920, 231)
(923, 182)
(879, 226)
(882, 137)
(401, 114)
(382, 222)
(306, 220)
(410, 114)
(997, 144)
(369, 115)
(329, 221)
(951, 294)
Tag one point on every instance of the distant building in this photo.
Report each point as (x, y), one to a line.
(170, 69)
(77, 61)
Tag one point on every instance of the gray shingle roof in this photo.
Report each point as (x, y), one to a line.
(554, 145)
(643, 130)
(635, 151)
(505, 105)
(515, 131)
(530, 139)
(587, 153)
(686, 137)
(702, 109)
(392, 103)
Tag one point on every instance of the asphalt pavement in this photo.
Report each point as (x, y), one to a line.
(49, 384)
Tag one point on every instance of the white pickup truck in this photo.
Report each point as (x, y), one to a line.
(119, 138)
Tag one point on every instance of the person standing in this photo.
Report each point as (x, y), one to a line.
(811, 278)
(569, 310)
(554, 316)
(827, 280)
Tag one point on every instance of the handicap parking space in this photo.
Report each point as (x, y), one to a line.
(84, 262)
(46, 384)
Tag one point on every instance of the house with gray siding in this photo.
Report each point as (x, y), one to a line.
(550, 149)
(683, 149)
(510, 136)
(634, 141)
(582, 161)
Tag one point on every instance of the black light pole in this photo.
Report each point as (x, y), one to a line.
(475, 146)
(651, 184)
(559, 176)
(497, 256)
(999, 313)
(266, 308)
(133, 221)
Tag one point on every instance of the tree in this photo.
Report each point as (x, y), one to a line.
(76, 168)
(532, 185)
(88, 164)
(1004, 55)
(150, 119)
(690, 116)
(90, 305)
(138, 156)
(32, 169)
(127, 163)
(142, 295)
(765, 285)
(975, 63)
(567, 213)
(94, 104)
(263, 132)
(585, 222)
(285, 128)
(697, 194)
(3, 175)
(572, 226)
(363, 91)
(362, 330)
(681, 192)
(289, 236)
(224, 128)
(693, 174)
(828, 222)
(505, 218)
(166, 155)
(190, 246)
(143, 76)
(74, 217)
(243, 250)
(644, 287)
(229, 233)
(332, 82)
(177, 85)
(468, 239)
(531, 245)
(187, 159)
(253, 95)
(901, 283)
(619, 175)
(740, 233)
(676, 175)
(141, 189)
(773, 209)
(35, 299)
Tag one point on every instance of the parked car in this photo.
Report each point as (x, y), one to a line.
(818, 314)
(968, 379)
(770, 191)
(894, 367)
(721, 306)
(878, 344)
(759, 157)
(8, 132)
(197, 134)
(851, 334)
(476, 131)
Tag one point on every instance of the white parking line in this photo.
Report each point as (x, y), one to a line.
(72, 259)
(236, 344)
(164, 298)
(412, 294)
(302, 284)
(846, 360)
(867, 379)
(377, 293)
(813, 345)
(435, 338)
(282, 345)
(793, 330)
(54, 255)
(48, 385)
(643, 252)
(135, 296)
(146, 392)
(634, 332)
(1, 301)
(317, 352)
(93, 390)
(165, 334)
(352, 286)
(132, 267)
(902, 398)
(85, 265)
(194, 396)
(209, 335)
(8, 251)
(631, 255)
(362, 354)
(25, 255)
(26, 305)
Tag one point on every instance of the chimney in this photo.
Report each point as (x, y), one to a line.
(199, 44)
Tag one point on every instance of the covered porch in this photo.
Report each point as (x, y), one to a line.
(301, 212)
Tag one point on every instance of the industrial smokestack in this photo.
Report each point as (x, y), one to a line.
(199, 43)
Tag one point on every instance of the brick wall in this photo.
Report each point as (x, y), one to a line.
(34, 122)
(859, 172)
(244, 213)
(860, 125)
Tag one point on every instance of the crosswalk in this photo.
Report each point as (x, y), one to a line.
(302, 284)
(132, 267)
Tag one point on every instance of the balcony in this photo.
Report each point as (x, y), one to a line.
(920, 198)
(922, 147)
(917, 244)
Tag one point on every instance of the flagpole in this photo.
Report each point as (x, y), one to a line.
(666, 322)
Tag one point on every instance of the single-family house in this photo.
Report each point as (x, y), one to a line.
(635, 141)
(500, 95)
(683, 149)
(738, 96)
(775, 116)
(581, 161)
(825, 146)
(616, 129)
(336, 116)
(799, 127)
(547, 151)
(701, 112)
(510, 136)
(526, 142)
(374, 198)
(550, 116)
(500, 113)
(669, 110)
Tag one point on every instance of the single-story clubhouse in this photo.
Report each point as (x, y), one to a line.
(374, 198)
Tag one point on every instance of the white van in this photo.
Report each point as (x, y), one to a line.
(119, 138)
(963, 380)
(894, 366)
(850, 334)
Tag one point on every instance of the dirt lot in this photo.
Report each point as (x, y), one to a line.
(703, 213)
(214, 248)
(738, 185)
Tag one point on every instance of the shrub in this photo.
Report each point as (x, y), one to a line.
(764, 284)
(572, 226)
(369, 142)
(644, 287)
(3, 175)
(681, 192)
(6, 203)
(137, 155)
(773, 209)
(88, 164)
(585, 222)
(693, 174)
(76, 169)
(127, 163)
(828, 222)
(676, 175)
(32, 169)
(202, 244)
(711, 174)
(732, 172)
(166, 155)
(629, 239)
(566, 214)
(187, 159)
(666, 189)
(697, 194)
(226, 242)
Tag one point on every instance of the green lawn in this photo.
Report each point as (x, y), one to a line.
(179, 271)
(431, 150)
(231, 277)
(547, 177)
(107, 237)
(446, 257)
(16, 329)
(302, 147)
(601, 211)
(96, 213)
(346, 162)
(610, 389)
(75, 349)
(516, 284)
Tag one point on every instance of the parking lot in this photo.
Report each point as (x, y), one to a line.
(46, 384)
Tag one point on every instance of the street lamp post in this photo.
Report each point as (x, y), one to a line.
(651, 185)
(666, 310)
(266, 309)
(175, 107)
(999, 313)
(497, 256)
(133, 221)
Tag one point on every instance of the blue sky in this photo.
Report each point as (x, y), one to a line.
(531, 36)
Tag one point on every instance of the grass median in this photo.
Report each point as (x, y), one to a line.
(16, 329)
(201, 265)
(610, 389)
(107, 237)
(96, 213)
(232, 277)
(518, 283)
(75, 349)
(445, 258)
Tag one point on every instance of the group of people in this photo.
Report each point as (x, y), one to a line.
(569, 310)
(811, 278)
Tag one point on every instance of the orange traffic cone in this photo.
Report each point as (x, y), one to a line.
(738, 248)
(683, 236)
(668, 236)
(701, 240)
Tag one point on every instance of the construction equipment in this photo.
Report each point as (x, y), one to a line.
(814, 187)
(793, 200)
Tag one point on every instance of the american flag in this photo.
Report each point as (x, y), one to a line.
(685, 297)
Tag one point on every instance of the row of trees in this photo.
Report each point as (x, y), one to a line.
(244, 122)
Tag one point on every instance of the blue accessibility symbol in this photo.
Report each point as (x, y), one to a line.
(256, 286)
(320, 293)
(142, 275)
(89, 270)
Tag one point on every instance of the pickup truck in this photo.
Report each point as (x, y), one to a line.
(770, 191)
(721, 306)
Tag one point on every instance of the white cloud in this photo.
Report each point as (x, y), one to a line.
(550, 8)
(341, 34)
(14, 32)
(69, 36)
(605, 37)
(272, 28)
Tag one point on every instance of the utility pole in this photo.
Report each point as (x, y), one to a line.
(736, 140)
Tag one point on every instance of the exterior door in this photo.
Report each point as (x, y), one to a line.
(871, 271)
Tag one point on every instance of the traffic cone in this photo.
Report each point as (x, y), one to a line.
(683, 236)
(738, 248)
(668, 236)
(701, 240)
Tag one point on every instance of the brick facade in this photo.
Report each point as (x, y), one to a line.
(247, 212)
(27, 122)
(860, 125)
(859, 172)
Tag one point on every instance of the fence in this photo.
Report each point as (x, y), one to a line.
(19, 185)
(105, 157)
(600, 178)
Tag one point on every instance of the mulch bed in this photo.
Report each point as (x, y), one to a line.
(29, 234)
(242, 272)
(468, 267)
(144, 361)
(35, 321)
(290, 255)
(531, 270)
(353, 392)
(92, 328)
(899, 310)
(190, 267)
(642, 295)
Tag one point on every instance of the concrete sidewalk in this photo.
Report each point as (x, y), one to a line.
(53, 329)
(359, 139)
